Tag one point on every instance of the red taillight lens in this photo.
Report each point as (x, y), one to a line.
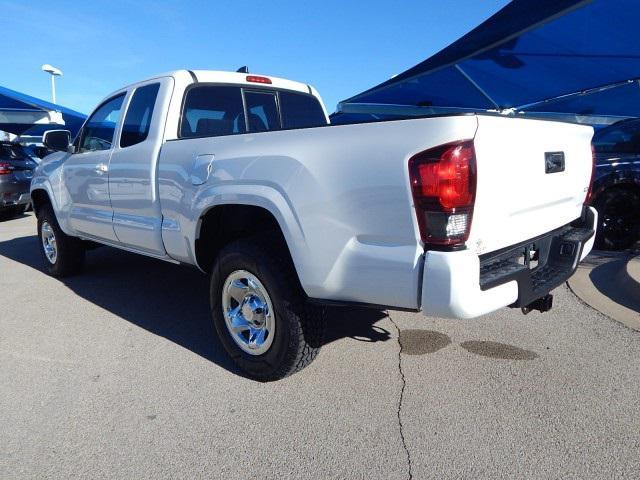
(5, 168)
(443, 181)
(593, 175)
(257, 79)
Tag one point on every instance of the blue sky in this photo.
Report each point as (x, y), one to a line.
(340, 47)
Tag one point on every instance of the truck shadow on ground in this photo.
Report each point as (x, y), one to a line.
(612, 280)
(171, 301)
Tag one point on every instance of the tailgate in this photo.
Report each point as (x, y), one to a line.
(532, 177)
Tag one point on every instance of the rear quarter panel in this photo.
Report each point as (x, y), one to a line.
(340, 193)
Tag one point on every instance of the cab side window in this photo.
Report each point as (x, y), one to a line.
(300, 110)
(212, 111)
(98, 132)
(138, 119)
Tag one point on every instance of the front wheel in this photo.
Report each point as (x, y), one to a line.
(63, 255)
(260, 313)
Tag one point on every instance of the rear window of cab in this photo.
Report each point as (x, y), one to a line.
(218, 110)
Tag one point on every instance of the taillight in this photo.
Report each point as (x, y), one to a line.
(443, 182)
(5, 168)
(593, 175)
(257, 79)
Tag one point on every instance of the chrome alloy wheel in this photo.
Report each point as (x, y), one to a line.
(248, 312)
(49, 242)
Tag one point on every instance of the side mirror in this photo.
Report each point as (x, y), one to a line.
(58, 140)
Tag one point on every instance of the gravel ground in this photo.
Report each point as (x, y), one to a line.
(117, 374)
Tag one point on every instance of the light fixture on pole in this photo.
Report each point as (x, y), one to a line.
(55, 72)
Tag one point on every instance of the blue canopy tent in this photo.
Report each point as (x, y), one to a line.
(22, 114)
(557, 56)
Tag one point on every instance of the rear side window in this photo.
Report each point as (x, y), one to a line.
(300, 110)
(262, 111)
(211, 111)
(138, 119)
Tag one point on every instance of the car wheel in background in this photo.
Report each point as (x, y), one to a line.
(7, 213)
(63, 255)
(259, 311)
(618, 218)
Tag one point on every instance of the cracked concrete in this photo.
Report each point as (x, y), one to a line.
(550, 395)
(400, 400)
(121, 377)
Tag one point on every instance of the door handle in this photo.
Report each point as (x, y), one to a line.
(101, 168)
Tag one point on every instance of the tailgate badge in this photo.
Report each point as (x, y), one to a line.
(553, 162)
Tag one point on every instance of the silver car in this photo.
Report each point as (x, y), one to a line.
(16, 171)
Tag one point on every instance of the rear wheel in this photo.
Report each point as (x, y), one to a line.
(63, 255)
(260, 313)
(618, 218)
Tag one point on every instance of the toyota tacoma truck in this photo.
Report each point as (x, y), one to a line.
(243, 177)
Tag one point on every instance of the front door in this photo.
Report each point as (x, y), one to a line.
(86, 173)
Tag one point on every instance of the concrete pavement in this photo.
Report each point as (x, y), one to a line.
(116, 373)
(610, 283)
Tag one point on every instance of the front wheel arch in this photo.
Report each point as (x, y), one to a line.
(40, 198)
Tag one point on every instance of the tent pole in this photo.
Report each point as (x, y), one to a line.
(476, 86)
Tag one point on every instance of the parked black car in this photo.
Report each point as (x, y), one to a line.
(16, 171)
(616, 188)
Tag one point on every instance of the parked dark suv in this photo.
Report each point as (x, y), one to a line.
(16, 171)
(616, 189)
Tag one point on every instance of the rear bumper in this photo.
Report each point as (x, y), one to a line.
(14, 191)
(463, 285)
(12, 199)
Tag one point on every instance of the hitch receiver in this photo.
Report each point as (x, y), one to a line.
(543, 304)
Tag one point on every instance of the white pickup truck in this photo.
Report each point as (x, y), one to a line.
(243, 177)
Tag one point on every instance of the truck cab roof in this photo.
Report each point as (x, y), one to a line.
(235, 78)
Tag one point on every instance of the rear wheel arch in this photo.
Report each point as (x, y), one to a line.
(613, 181)
(226, 223)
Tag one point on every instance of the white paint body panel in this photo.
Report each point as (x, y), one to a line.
(340, 194)
(515, 199)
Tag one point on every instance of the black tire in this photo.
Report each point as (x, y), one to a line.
(618, 218)
(70, 250)
(299, 326)
(7, 213)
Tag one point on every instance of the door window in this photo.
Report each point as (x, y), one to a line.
(212, 111)
(137, 122)
(262, 111)
(98, 132)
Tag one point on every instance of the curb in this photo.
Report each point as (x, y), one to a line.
(631, 277)
(610, 284)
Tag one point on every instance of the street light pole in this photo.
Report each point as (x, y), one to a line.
(54, 72)
(53, 88)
